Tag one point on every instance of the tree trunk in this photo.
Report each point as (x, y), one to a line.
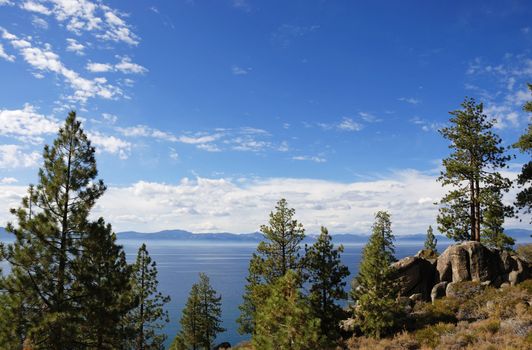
(472, 214)
(477, 209)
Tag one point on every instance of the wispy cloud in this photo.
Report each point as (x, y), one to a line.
(315, 159)
(236, 70)
(285, 34)
(346, 124)
(410, 100)
(15, 156)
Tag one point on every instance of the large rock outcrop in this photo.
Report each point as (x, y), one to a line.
(466, 261)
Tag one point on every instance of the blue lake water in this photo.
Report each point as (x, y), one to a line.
(179, 264)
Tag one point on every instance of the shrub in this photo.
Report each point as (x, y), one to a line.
(431, 335)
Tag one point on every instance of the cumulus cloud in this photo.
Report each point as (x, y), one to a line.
(26, 124)
(80, 16)
(74, 46)
(14, 156)
(110, 144)
(43, 59)
(39, 22)
(125, 66)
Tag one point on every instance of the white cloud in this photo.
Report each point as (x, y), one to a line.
(6, 3)
(86, 16)
(315, 159)
(236, 70)
(110, 144)
(5, 55)
(199, 139)
(74, 46)
(26, 124)
(427, 125)
(125, 66)
(368, 117)
(8, 180)
(14, 156)
(242, 205)
(146, 131)
(39, 22)
(34, 6)
(45, 60)
(99, 67)
(410, 100)
(348, 124)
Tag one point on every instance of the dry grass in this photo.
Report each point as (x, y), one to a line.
(491, 319)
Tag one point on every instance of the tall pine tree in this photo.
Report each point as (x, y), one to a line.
(277, 254)
(375, 291)
(50, 225)
(524, 180)
(285, 320)
(201, 320)
(472, 172)
(326, 275)
(102, 286)
(148, 317)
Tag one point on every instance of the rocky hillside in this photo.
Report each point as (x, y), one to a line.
(426, 276)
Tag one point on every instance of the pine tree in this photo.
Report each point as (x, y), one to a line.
(326, 275)
(211, 312)
(178, 343)
(431, 241)
(472, 170)
(376, 310)
(148, 317)
(285, 320)
(276, 255)
(102, 285)
(191, 320)
(524, 180)
(51, 221)
(201, 320)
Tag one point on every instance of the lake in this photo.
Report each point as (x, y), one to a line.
(179, 264)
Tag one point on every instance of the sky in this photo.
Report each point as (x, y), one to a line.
(205, 113)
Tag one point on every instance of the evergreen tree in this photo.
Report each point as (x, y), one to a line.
(211, 312)
(472, 170)
(276, 255)
(201, 318)
(326, 275)
(51, 221)
(191, 320)
(524, 180)
(102, 285)
(285, 320)
(431, 241)
(148, 316)
(178, 343)
(375, 291)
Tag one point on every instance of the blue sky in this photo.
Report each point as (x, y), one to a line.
(205, 112)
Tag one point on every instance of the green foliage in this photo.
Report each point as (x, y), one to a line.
(148, 316)
(326, 275)
(178, 343)
(51, 223)
(473, 207)
(431, 241)
(285, 320)
(376, 310)
(102, 286)
(201, 320)
(524, 180)
(277, 254)
(431, 335)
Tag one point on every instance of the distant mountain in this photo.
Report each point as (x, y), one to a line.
(520, 235)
